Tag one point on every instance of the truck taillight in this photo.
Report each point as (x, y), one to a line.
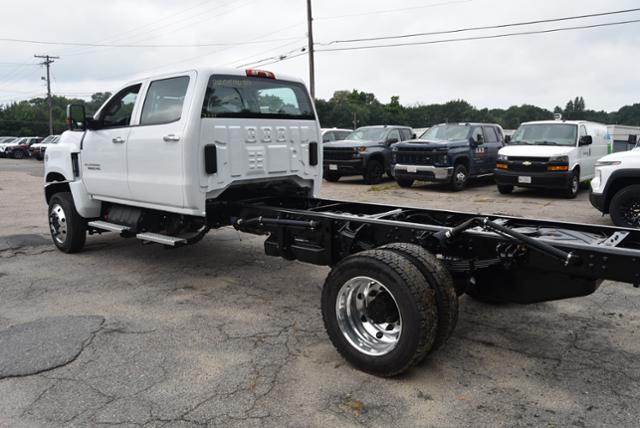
(260, 73)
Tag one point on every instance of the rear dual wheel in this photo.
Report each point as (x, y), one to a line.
(385, 310)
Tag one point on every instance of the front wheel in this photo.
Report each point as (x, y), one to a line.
(374, 171)
(505, 190)
(404, 182)
(379, 312)
(460, 178)
(332, 176)
(574, 185)
(625, 207)
(18, 154)
(68, 229)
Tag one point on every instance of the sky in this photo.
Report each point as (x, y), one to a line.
(599, 64)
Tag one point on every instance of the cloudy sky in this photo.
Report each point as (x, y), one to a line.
(599, 64)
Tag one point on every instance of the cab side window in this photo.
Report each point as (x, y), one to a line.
(118, 112)
(490, 134)
(164, 100)
(394, 134)
(406, 134)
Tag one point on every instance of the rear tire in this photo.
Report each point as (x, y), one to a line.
(460, 178)
(374, 171)
(625, 207)
(68, 229)
(332, 176)
(574, 186)
(404, 182)
(439, 278)
(379, 287)
(505, 190)
(18, 154)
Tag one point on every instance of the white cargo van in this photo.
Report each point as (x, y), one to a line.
(554, 154)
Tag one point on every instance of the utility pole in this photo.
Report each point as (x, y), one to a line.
(48, 60)
(312, 73)
(355, 120)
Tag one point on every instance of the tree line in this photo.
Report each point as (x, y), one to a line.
(343, 110)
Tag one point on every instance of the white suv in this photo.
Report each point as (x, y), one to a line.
(615, 190)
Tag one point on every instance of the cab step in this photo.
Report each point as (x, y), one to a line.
(111, 227)
(171, 241)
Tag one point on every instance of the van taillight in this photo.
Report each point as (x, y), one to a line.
(260, 73)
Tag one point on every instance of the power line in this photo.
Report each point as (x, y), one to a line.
(97, 45)
(271, 58)
(495, 36)
(378, 12)
(488, 27)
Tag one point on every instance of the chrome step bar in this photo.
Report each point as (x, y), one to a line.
(111, 227)
(171, 241)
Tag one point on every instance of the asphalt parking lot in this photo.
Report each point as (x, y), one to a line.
(219, 334)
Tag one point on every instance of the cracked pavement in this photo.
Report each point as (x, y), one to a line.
(218, 334)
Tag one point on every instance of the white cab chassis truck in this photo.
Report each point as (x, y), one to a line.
(169, 157)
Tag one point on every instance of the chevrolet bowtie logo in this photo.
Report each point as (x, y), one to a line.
(526, 163)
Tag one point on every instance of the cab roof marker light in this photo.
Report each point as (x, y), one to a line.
(260, 73)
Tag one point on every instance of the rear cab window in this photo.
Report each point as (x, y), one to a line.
(164, 101)
(256, 97)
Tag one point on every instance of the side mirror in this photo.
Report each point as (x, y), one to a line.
(479, 140)
(76, 117)
(392, 141)
(585, 140)
(507, 139)
(414, 136)
(633, 139)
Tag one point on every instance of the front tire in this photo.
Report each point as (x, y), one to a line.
(460, 178)
(18, 154)
(379, 312)
(332, 176)
(505, 190)
(374, 172)
(574, 186)
(68, 229)
(404, 182)
(625, 207)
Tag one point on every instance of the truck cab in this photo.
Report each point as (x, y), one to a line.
(161, 148)
(366, 151)
(448, 153)
(615, 190)
(553, 154)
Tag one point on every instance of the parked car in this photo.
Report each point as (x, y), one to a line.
(20, 149)
(335, 134)
(448, 153)
(37, 150)
(366, 151)
(4, 142)
(552, 154)
(615, 190)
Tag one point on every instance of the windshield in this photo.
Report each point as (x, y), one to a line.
(371, 134)
(560, 134)
(256, 97)
(446, 133)
(48, 140)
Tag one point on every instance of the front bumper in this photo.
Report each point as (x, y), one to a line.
(344, 167)
(422, 172)
(598, 201)
(546, 180)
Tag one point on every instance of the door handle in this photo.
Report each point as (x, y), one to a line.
(118, 140)
(171, 138)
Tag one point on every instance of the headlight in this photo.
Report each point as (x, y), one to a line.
(559, 159)
(361, 149)
(394, 148)
(608, 163)
(503, 158)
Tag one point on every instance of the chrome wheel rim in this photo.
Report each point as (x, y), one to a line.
(368, 316)
(574, 185)
(58, 224)
(461, 177)
(631, 212)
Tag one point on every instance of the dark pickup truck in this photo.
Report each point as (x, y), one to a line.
(366, 151)
(448, 153)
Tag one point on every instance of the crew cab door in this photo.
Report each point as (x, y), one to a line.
(104, 149)
(156, 143)
(492, 144)
(478, 164)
